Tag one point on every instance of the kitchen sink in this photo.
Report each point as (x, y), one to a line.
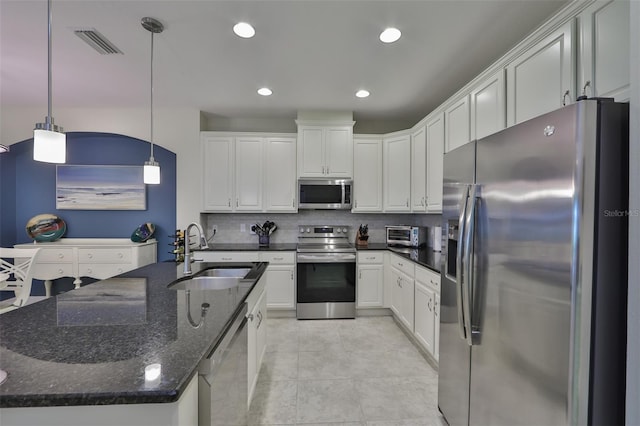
(206, 283)
(225, 272)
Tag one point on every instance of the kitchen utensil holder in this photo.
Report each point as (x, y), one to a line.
(263, 240)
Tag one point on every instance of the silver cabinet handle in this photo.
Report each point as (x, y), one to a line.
(293, 202)
(322, 169)
(584, 88)
(250, 317)
(564, 97)
(429, 305)
(407, 202)
(356, 204)
(327, 169)
(360, 275)
(291, 275)
(229, 202)
(237, 202)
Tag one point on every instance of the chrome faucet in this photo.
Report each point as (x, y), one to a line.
(187, 250)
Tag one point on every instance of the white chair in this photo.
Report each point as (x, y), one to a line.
(16, 275)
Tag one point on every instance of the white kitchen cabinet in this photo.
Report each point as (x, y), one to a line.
(217, 172)
(248, 173)
(604, 36)
(370, 281)
(488, 106)
(280, 184)
(397, 173)
(324, 150)
(256, 334)
(367, 175)
(538, 79)
(434, 129)
(419, 170)
(402, 293)
(457, 123)
(281, 279)
(427, 309)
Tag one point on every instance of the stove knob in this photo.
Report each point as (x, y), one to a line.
(308, 230)
(339, 230)
(302, 230)
(344, 230)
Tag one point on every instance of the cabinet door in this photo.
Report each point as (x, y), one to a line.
(424, 316)
(538, 79)
(281, 287)
(396, 292)
(436, 325)
(261, 330)
(435, 159)
(280, 185)
(252, 354)
(419, 171)
(604, 50)
(488, 106)
(370, 286)
(338, 152)
(310, 152)
(457, 124)
(407, 287)
(248, 167)
(397, 174)
(367, 175)
(217, 167)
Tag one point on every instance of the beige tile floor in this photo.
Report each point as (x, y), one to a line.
(361, 372)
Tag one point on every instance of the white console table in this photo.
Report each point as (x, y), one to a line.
(99, 258)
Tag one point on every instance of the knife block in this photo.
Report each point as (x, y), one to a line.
(362, 240)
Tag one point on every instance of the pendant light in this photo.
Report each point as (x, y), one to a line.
(49, 141)
(152, 167)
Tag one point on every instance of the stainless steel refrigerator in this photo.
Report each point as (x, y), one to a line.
(534, 273)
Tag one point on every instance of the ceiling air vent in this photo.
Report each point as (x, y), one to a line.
(96, 40)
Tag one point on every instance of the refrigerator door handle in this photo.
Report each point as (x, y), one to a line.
(467, 273)
(460, 263)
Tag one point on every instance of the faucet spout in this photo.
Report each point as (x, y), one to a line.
(187, 246)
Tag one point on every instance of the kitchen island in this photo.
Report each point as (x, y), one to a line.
(90, 347)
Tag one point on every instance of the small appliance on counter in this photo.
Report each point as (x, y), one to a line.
(407, 236)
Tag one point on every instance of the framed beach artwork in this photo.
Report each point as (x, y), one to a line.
(100, 188)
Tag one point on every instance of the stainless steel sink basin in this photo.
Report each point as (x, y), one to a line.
(225, 272)
(206, 283)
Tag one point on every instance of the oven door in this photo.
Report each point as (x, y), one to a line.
(326, 277)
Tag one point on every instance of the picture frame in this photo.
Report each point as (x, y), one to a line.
(100, 187)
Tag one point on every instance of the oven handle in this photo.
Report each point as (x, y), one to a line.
(326, 258)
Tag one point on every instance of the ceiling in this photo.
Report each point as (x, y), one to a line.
(314, 55)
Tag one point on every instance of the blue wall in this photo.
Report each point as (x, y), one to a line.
(28, 188)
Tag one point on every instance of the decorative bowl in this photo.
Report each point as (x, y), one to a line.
(46, 227)
(143, 232)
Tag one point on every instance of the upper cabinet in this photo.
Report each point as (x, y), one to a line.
(603, 56)
(541, 79)
(367, 174)
(457, 125)
(248, 172)
(488, 106)
(419, 170)
(325, 150)
(280, 183)
(434, 129)
(397, 173)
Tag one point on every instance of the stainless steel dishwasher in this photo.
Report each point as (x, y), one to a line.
(222, 381)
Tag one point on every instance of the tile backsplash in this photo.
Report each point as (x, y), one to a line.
(229, 225)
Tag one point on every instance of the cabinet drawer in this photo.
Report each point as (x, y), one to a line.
(405, 265)
(228, 256)
(112, 255)
(56, 255)
(371, 257)
(52, 271)
(102, 270)
(278, 257)
(428, 277)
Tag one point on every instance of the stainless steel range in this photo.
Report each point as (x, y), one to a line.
(326, 273)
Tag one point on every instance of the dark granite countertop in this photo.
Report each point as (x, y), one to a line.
(90, 346)
(423, 256)
(250, 247)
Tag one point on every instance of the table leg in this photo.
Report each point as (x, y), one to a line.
(77, 282)
(47, 287)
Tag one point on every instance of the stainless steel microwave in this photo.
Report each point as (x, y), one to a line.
(325, 194)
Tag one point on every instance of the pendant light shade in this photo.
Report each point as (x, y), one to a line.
(49, 140)
(152, 167)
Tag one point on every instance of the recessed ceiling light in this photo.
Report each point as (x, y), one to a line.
(390, 35)
(244, 30)
(265, 91)
(362, 93)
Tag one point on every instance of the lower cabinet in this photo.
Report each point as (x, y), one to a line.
(402, 292)
(281, 279)
(427, 310)
(370, 280)
(256, 334)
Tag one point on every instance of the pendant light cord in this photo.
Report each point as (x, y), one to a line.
(152, 159)
(48, 119)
